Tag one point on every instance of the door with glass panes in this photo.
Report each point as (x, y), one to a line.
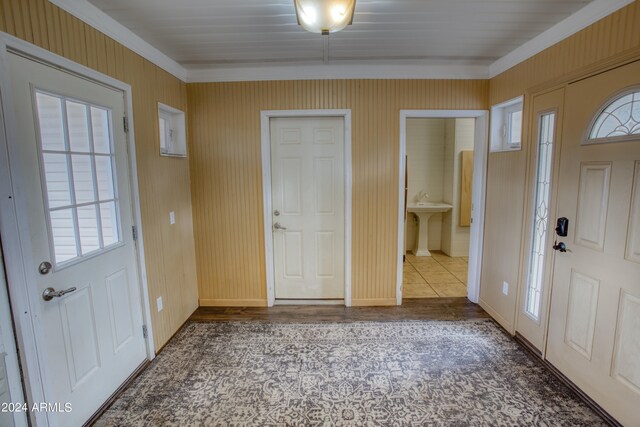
(546, 127)
(71, 180)
(594, 318)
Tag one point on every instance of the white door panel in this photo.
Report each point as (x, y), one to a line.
(594, 325)
(74, 179)
(307, 169)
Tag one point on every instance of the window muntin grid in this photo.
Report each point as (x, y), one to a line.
(78, 176)
(535, 279)
(619, 119)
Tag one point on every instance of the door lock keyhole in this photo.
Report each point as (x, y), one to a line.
(44, 267)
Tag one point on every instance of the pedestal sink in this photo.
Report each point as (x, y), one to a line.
(423, 211)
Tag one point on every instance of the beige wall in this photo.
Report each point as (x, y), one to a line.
(224, 124)
(607, 42)
(455, 239)
(426, 167)
(225, 164)
(164, 182)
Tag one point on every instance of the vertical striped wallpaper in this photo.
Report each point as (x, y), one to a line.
(224, 127)
(605, 41)
(164, 182)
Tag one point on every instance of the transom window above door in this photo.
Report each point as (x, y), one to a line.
(618, 120)
(77, 158)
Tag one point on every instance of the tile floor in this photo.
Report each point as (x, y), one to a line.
(433, 277)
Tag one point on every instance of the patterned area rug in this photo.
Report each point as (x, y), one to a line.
(436, 373)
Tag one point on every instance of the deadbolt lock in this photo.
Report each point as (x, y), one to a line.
(44, 267)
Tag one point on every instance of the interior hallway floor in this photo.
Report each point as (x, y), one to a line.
(436, 276)
(437, 361)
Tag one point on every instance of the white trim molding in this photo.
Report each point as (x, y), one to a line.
(265, 144)
(102, 22)
(580, 20)
(479, 188)
(339, 71)
(12, 227)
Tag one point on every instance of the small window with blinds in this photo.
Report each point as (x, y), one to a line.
(78, 176)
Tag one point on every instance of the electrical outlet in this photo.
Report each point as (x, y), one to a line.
(159, 303)
(505, 288)
(172, 218)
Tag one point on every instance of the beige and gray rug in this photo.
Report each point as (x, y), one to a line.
(433, 373)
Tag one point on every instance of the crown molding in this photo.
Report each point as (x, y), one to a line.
(337, 71)
(99, 20)
(581, 19)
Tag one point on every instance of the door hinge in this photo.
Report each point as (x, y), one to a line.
(134, 233)
(125, 124)
(145, 331)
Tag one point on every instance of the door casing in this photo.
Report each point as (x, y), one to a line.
(479, 188)
(28, 337)
(265, 117)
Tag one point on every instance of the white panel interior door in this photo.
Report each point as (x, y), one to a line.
(594, 321)
(307, 187)
(71, 172)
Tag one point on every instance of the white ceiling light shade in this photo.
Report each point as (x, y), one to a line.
(324, 16)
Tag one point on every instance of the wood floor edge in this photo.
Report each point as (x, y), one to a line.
(372, 302)
(586, 399)
(583, 396)
(233, 302)
(116, 394)
(496, 316)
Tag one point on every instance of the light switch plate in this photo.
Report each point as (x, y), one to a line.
(172, 218)
(505, 288)
(159, 304)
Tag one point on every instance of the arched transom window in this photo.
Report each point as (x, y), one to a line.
(618, 120)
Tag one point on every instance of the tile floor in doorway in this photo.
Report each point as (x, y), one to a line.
(433, 277)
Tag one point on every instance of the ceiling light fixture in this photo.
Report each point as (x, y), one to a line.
(324, 16)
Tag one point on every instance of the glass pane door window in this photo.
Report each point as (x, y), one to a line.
(535, 279)
(78, 176)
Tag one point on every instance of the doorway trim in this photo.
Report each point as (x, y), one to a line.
(265, 131)
(479, 186)
(28, 335)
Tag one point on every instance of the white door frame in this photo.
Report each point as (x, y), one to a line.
(30, 338)
(479, 186)
(8, 344)
(265, 116)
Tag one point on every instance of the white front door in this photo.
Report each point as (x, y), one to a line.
(307, 187)
(594, 323)
(70, 171)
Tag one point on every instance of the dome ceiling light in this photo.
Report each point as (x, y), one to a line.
(324, 16)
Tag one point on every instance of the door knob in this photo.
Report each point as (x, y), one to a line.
(51, 293)
(277, 226)
(560, 247)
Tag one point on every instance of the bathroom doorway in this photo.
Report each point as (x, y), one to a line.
(443, 157)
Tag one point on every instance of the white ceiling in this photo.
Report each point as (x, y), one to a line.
(237, 33)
